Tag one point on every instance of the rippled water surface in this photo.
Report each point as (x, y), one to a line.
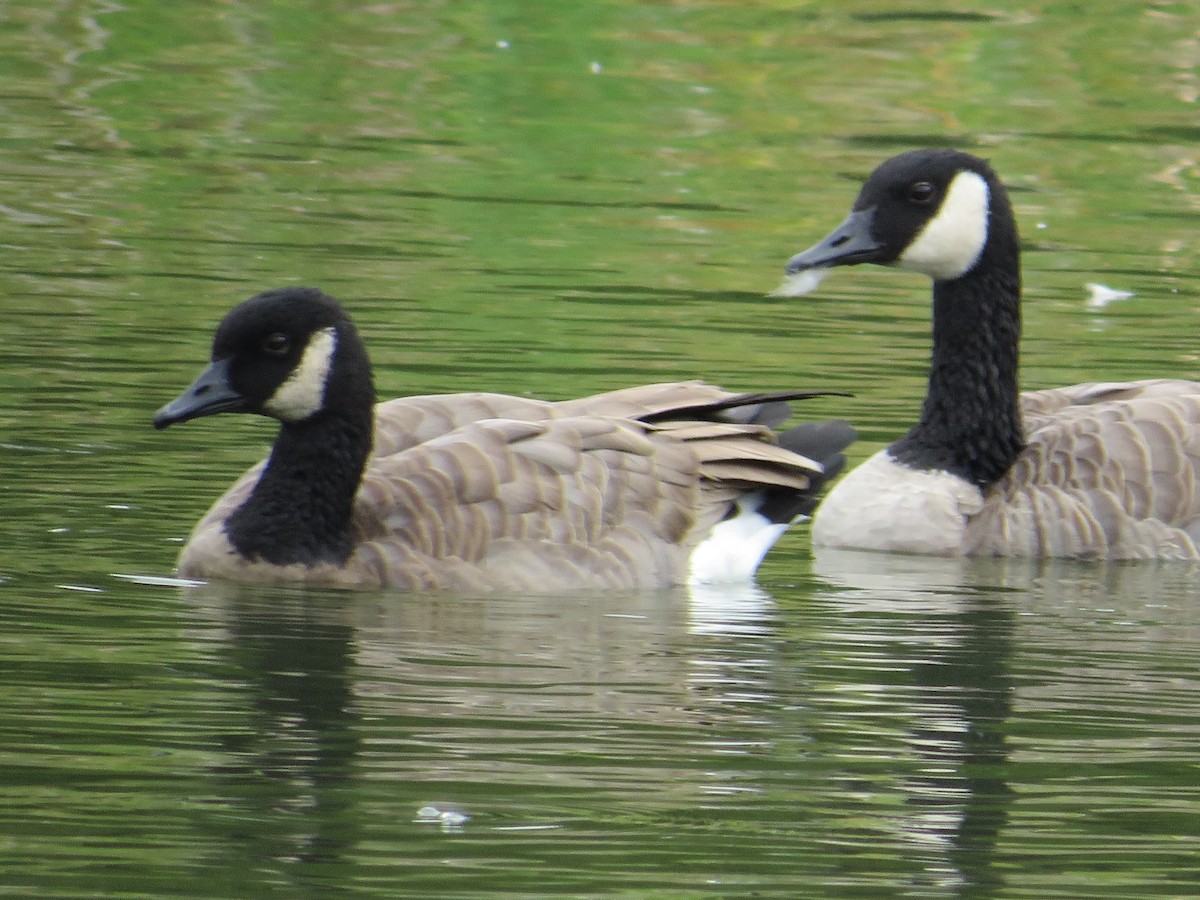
(555, 199)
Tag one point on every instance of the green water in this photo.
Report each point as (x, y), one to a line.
(558, 198)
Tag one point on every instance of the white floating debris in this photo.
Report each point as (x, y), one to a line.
(448, 819)
(502, 44)
(1100, 295)
(800, 283)
(596, 68)
(157, 580)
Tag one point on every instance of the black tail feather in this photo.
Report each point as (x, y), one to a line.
(760, 408)
(820, 441)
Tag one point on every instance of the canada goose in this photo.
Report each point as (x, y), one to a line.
(642, 487)
(1107, 470)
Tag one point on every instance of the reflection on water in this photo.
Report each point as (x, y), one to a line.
(1033, 676)
(958, 799)
(723, 609)
(915, 724)
(876, 722)
(362, 715)
(490, 663)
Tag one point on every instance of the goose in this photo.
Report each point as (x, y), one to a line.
(642, 487)
(1107, 470)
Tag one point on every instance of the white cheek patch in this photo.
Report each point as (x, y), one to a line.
(950, 243)
(304, 392)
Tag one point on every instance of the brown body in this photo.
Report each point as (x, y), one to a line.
(485, 491)
(1112, 470)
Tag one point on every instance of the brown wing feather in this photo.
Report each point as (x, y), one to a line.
(410, 421)
(561, 502)
(1111, 470)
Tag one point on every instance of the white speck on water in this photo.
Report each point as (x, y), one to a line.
(800, 283)
(157, 580)
(502, 44)
(448, 819)
(1100, 295)
(596, 68)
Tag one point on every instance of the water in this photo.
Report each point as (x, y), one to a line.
(556, 199)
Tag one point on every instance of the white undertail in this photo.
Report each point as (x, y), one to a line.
(736, 546)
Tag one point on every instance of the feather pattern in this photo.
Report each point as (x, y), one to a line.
(1110, 470)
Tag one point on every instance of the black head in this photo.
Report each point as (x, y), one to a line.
(933, 211)
(290, 353)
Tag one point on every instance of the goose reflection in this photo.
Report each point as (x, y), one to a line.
(952, 638)
(287, 661)
(351, 701)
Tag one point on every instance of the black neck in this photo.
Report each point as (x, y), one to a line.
(300, 510)
(971, 421)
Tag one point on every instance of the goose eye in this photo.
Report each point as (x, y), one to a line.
(276, 344)
(921, 192)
